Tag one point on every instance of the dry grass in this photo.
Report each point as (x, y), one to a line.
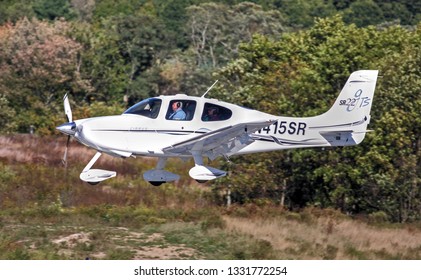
(330, 238)
(49, 150)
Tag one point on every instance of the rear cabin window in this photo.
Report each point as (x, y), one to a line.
(181, 110)
(212, 113)
(149, 108)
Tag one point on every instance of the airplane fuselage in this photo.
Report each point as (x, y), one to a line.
(198, 127)
(138, 135)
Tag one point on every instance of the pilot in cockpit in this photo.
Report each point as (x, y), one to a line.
(178, 113)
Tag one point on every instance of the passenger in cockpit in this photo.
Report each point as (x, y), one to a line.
(211, 115)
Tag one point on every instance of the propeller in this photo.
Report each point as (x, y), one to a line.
(68, 128)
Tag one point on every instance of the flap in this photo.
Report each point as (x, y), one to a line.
(224, 140)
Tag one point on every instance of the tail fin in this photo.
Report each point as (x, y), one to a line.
(346, 121)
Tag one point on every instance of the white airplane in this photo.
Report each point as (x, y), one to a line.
(197, 127)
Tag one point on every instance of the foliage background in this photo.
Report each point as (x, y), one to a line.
(281, 56)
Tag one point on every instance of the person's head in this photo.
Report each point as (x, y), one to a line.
(212, 111)
(176, 105)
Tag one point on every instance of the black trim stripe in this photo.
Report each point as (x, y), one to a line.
(339, 125)
(173, 132)
(288, 142)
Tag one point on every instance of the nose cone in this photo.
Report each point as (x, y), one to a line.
(67, 128)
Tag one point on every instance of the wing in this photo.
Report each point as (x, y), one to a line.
(224, 141)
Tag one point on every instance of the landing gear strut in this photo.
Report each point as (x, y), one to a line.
(159, 176)
(202, 173)
(94, 176)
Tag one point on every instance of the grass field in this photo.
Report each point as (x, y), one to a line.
(46, 212)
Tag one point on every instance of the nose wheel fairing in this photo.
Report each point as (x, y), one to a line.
(94, 176)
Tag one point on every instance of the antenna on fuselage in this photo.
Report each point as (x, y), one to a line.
(209, 88)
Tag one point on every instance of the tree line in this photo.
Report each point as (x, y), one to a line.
(269, 55)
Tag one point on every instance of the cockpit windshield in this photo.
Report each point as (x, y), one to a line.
(149, 108)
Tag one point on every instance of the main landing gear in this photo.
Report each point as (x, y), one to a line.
(159, 176)
(200, 172)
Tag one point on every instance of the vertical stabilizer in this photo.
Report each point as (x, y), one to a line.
(350, 114)
(355, 100)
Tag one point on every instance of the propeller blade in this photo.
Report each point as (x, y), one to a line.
(67, 109)
(64, 160)
(67, 128)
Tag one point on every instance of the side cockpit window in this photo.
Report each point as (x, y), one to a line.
(181, 110)
(149, 108)
(212, 112)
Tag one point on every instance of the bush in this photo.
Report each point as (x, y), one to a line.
(212, 222)
(378, 217)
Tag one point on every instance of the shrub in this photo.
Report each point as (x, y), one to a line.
(212, 222)
(378, 217)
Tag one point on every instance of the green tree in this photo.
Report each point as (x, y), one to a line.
(391, 177)
(101, 61)
(407, 11)
(6, 115)
(143, 42)
(13, 10)
(109, 8)
(53, 9)
(38, 65)
(301, 14)
(83, 8)
(216, 30)
(363, 13)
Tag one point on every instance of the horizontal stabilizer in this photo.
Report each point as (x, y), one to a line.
(344, 137)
